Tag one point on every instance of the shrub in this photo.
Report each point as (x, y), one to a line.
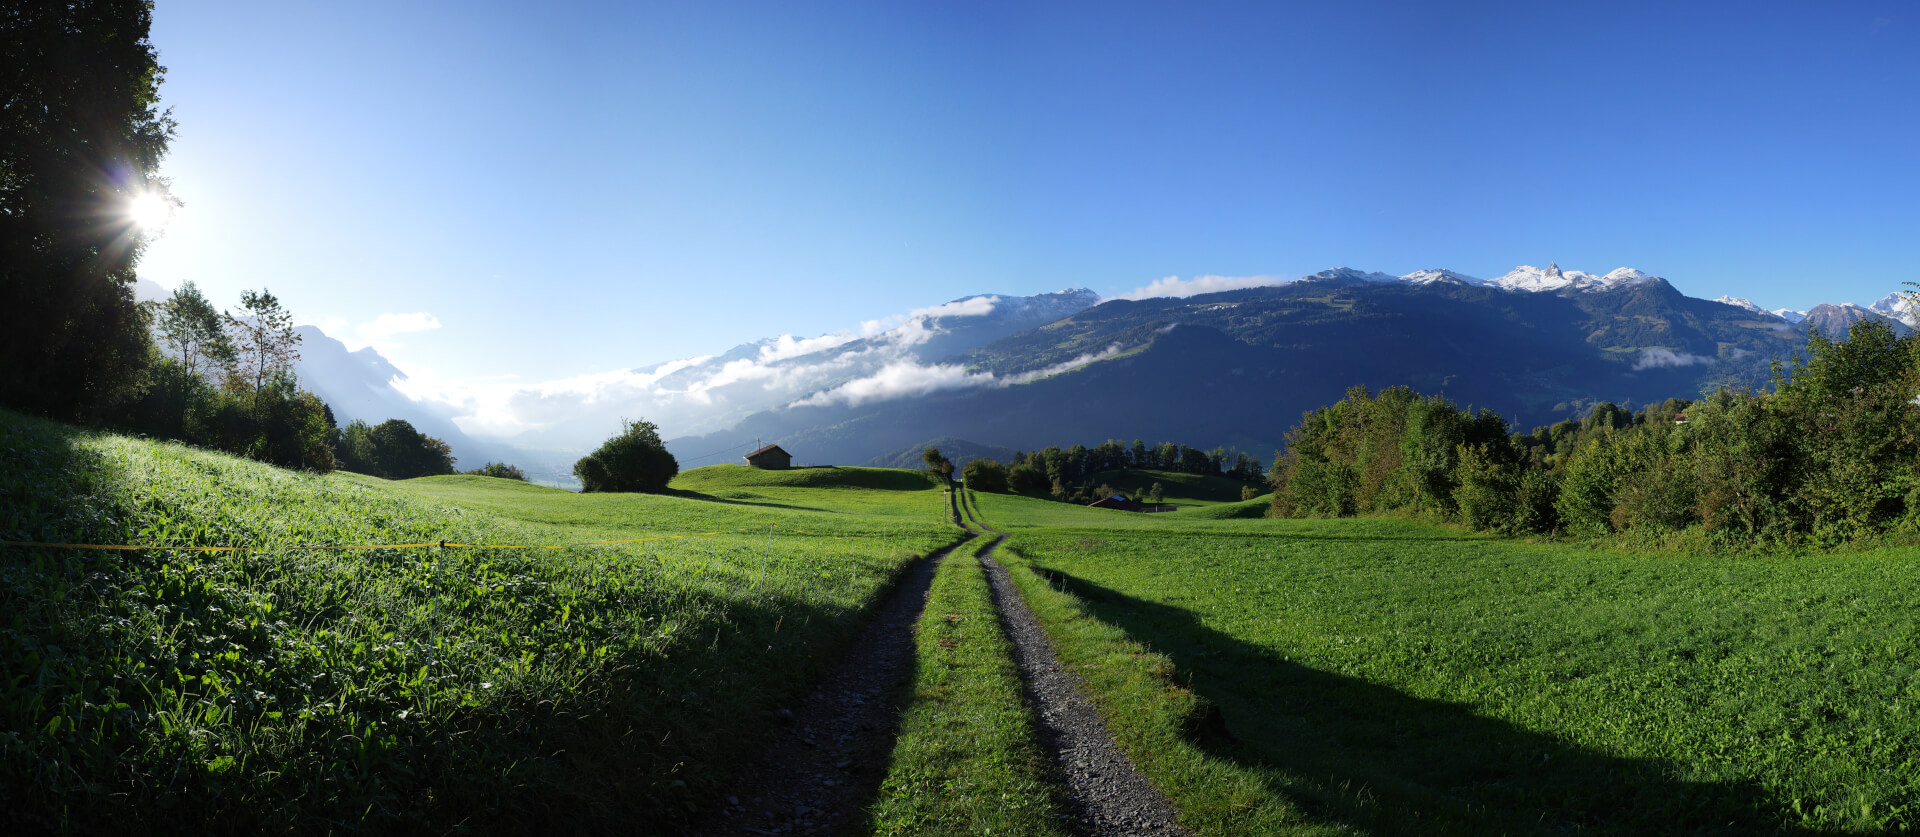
(1026, 479)
(633, 460)
(1486, 491)
(985, 475)
(500, 470)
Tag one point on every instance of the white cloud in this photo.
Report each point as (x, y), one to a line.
(1064, 366)
(906, 378)
(786, 345)
(975, 306)
(897, 380)
(701, 394)
(1658, 358)
(388, 325)
(332, 327)
(1174, 286)
(911, 333)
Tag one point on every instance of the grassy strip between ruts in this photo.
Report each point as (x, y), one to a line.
(1154, 719)
(402, 690)
(966, 761)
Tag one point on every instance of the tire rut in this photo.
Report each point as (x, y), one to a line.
(819, 774)
(1107, 793)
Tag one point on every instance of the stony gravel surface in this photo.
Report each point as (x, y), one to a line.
(1108, 795)
(817, 777)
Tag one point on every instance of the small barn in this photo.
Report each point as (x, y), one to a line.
(1117, 501)
(771, 458)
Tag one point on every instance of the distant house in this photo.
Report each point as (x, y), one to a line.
(1117, 501)
(771, 458)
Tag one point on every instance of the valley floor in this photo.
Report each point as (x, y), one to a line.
(1264, 676)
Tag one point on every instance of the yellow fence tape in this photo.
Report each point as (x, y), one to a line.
(441, 544)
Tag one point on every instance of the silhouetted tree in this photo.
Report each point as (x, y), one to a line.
(938, 467)
(193, 332)
(80, 137)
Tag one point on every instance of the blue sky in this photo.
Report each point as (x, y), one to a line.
(570, 188)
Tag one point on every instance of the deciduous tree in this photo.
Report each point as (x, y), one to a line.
(81, 137)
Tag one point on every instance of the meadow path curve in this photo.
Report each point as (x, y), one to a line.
(819, 774)
(1108, 794)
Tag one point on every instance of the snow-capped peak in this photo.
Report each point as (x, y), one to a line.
(1791, 316)
(1626, 276)
(1551, 278)
(1432, 275)
(1744, 303)
(1899, 307)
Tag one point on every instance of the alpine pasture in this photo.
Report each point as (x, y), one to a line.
(581, 660)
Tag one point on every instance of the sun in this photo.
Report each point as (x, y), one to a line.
(150, 211)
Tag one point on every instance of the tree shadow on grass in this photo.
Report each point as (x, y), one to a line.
(709, 498)
(1375, 759)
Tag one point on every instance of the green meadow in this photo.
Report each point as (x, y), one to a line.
(576, 661)
(282, 688)
(1381, 675)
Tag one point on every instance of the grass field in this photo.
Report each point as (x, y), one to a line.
(1272, 676)
(398, 690)
(1385, 676)
(966, 761)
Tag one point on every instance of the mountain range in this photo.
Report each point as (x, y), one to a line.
(989, 373)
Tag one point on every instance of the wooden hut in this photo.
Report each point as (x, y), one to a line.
(771, 458)
(1117, 501)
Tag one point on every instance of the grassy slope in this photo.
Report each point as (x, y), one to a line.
(402, 690)
(1244, 509)
(966, 761)
(1388, 676)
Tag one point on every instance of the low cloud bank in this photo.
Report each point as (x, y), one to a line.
(907, 379)
(1178, 288)
(1664, 358)
(702, 394)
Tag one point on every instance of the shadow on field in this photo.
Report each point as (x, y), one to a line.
(1378, 760)
(709, 498)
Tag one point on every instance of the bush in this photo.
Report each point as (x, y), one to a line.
(985, 475)
(1027, 479)
(500, 470)
(1485, 491)
(279, 424)
(633, 460)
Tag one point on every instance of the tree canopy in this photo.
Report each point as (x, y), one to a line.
(81, 137)
(633, 460)
(393, 450)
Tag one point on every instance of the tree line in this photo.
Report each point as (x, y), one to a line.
(1825, 454)
(1070, 474)
(226, 381)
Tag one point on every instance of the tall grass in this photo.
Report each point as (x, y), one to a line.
(398, 690)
